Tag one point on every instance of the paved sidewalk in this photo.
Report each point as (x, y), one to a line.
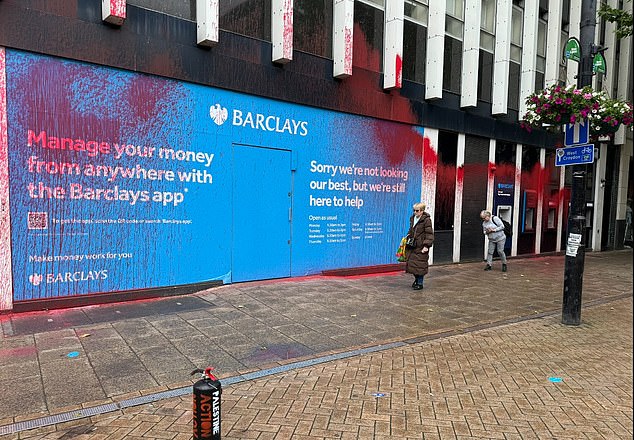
(491, 383)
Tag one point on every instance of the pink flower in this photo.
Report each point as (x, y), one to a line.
(568, 101)
(576, 92)
(587, 95)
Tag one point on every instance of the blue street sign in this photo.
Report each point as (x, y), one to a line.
(577, 133)
(574, 155)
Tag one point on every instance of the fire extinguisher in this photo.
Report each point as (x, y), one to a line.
(206, 408)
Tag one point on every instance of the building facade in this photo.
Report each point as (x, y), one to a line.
(160, 147)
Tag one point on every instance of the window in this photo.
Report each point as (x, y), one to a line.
(516, 58)
(540, 66)
(485, 76)
(455, 8)
(563, 61)
(312, 27)
(514, 86)
(454, 19)
(368, 36)
(487, 18)
(415, 40)
(184, 9)
(247, 17)
(452, 65)
(417, 11)
(487, 48)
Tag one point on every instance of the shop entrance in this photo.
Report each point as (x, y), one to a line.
(261, 196)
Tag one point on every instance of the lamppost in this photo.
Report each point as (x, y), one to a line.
(573, 271)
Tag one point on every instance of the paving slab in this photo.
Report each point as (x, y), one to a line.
(226, 327)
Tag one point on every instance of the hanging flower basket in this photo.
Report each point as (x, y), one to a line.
(555, 106)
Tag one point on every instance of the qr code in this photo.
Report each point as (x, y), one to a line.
(38, 220)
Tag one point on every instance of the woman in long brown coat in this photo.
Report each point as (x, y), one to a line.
(417, 256)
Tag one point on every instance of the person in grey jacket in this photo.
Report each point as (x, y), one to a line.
(494, 230)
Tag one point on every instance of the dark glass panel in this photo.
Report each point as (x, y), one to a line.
(177, 8)
(247, 17)
(368, 37)
(414, 51)
(312, 27)
(514, 86)
(452, 65)
(485, 76)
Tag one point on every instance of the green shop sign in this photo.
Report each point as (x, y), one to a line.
(573, 49)
(598, 63)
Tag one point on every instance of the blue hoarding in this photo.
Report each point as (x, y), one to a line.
(122, 181)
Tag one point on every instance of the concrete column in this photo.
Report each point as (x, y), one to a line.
(429, 173)
(113, 11)
(599, 198)
(540, 202)
(6, 280)
(554, 51)
(625, 78)
(342, 33)
(207, 22)
(470, 54)
(529, 53)
(457, 212)
(502, 56)
(573, 31)
(560, 208)
(393, 45)
(516, 198)
(435, 49)
(490, 187)
(282, 30)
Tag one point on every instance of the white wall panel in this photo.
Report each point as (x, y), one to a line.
(459, 195)
(502, 57)
(529, 53)
(207, 22)
(113, 11)
(342, 38)
(554, 52)
(625, 77)
(470, 54)
(429, 172)
(573, 31)
(540, 205)
(435, 49)
(6, 280)
(282, 30)
(516, 198)
(393, 45)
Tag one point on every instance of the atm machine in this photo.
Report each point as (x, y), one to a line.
(503, 205)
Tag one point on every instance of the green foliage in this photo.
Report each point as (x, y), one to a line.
(621, 18)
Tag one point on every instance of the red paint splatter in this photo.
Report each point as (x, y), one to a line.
(118, 8)
(430, 157)
(460, 176)
(363, 92)
(399, 71)
(397, 140)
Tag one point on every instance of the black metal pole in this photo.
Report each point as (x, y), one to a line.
(575, 243)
